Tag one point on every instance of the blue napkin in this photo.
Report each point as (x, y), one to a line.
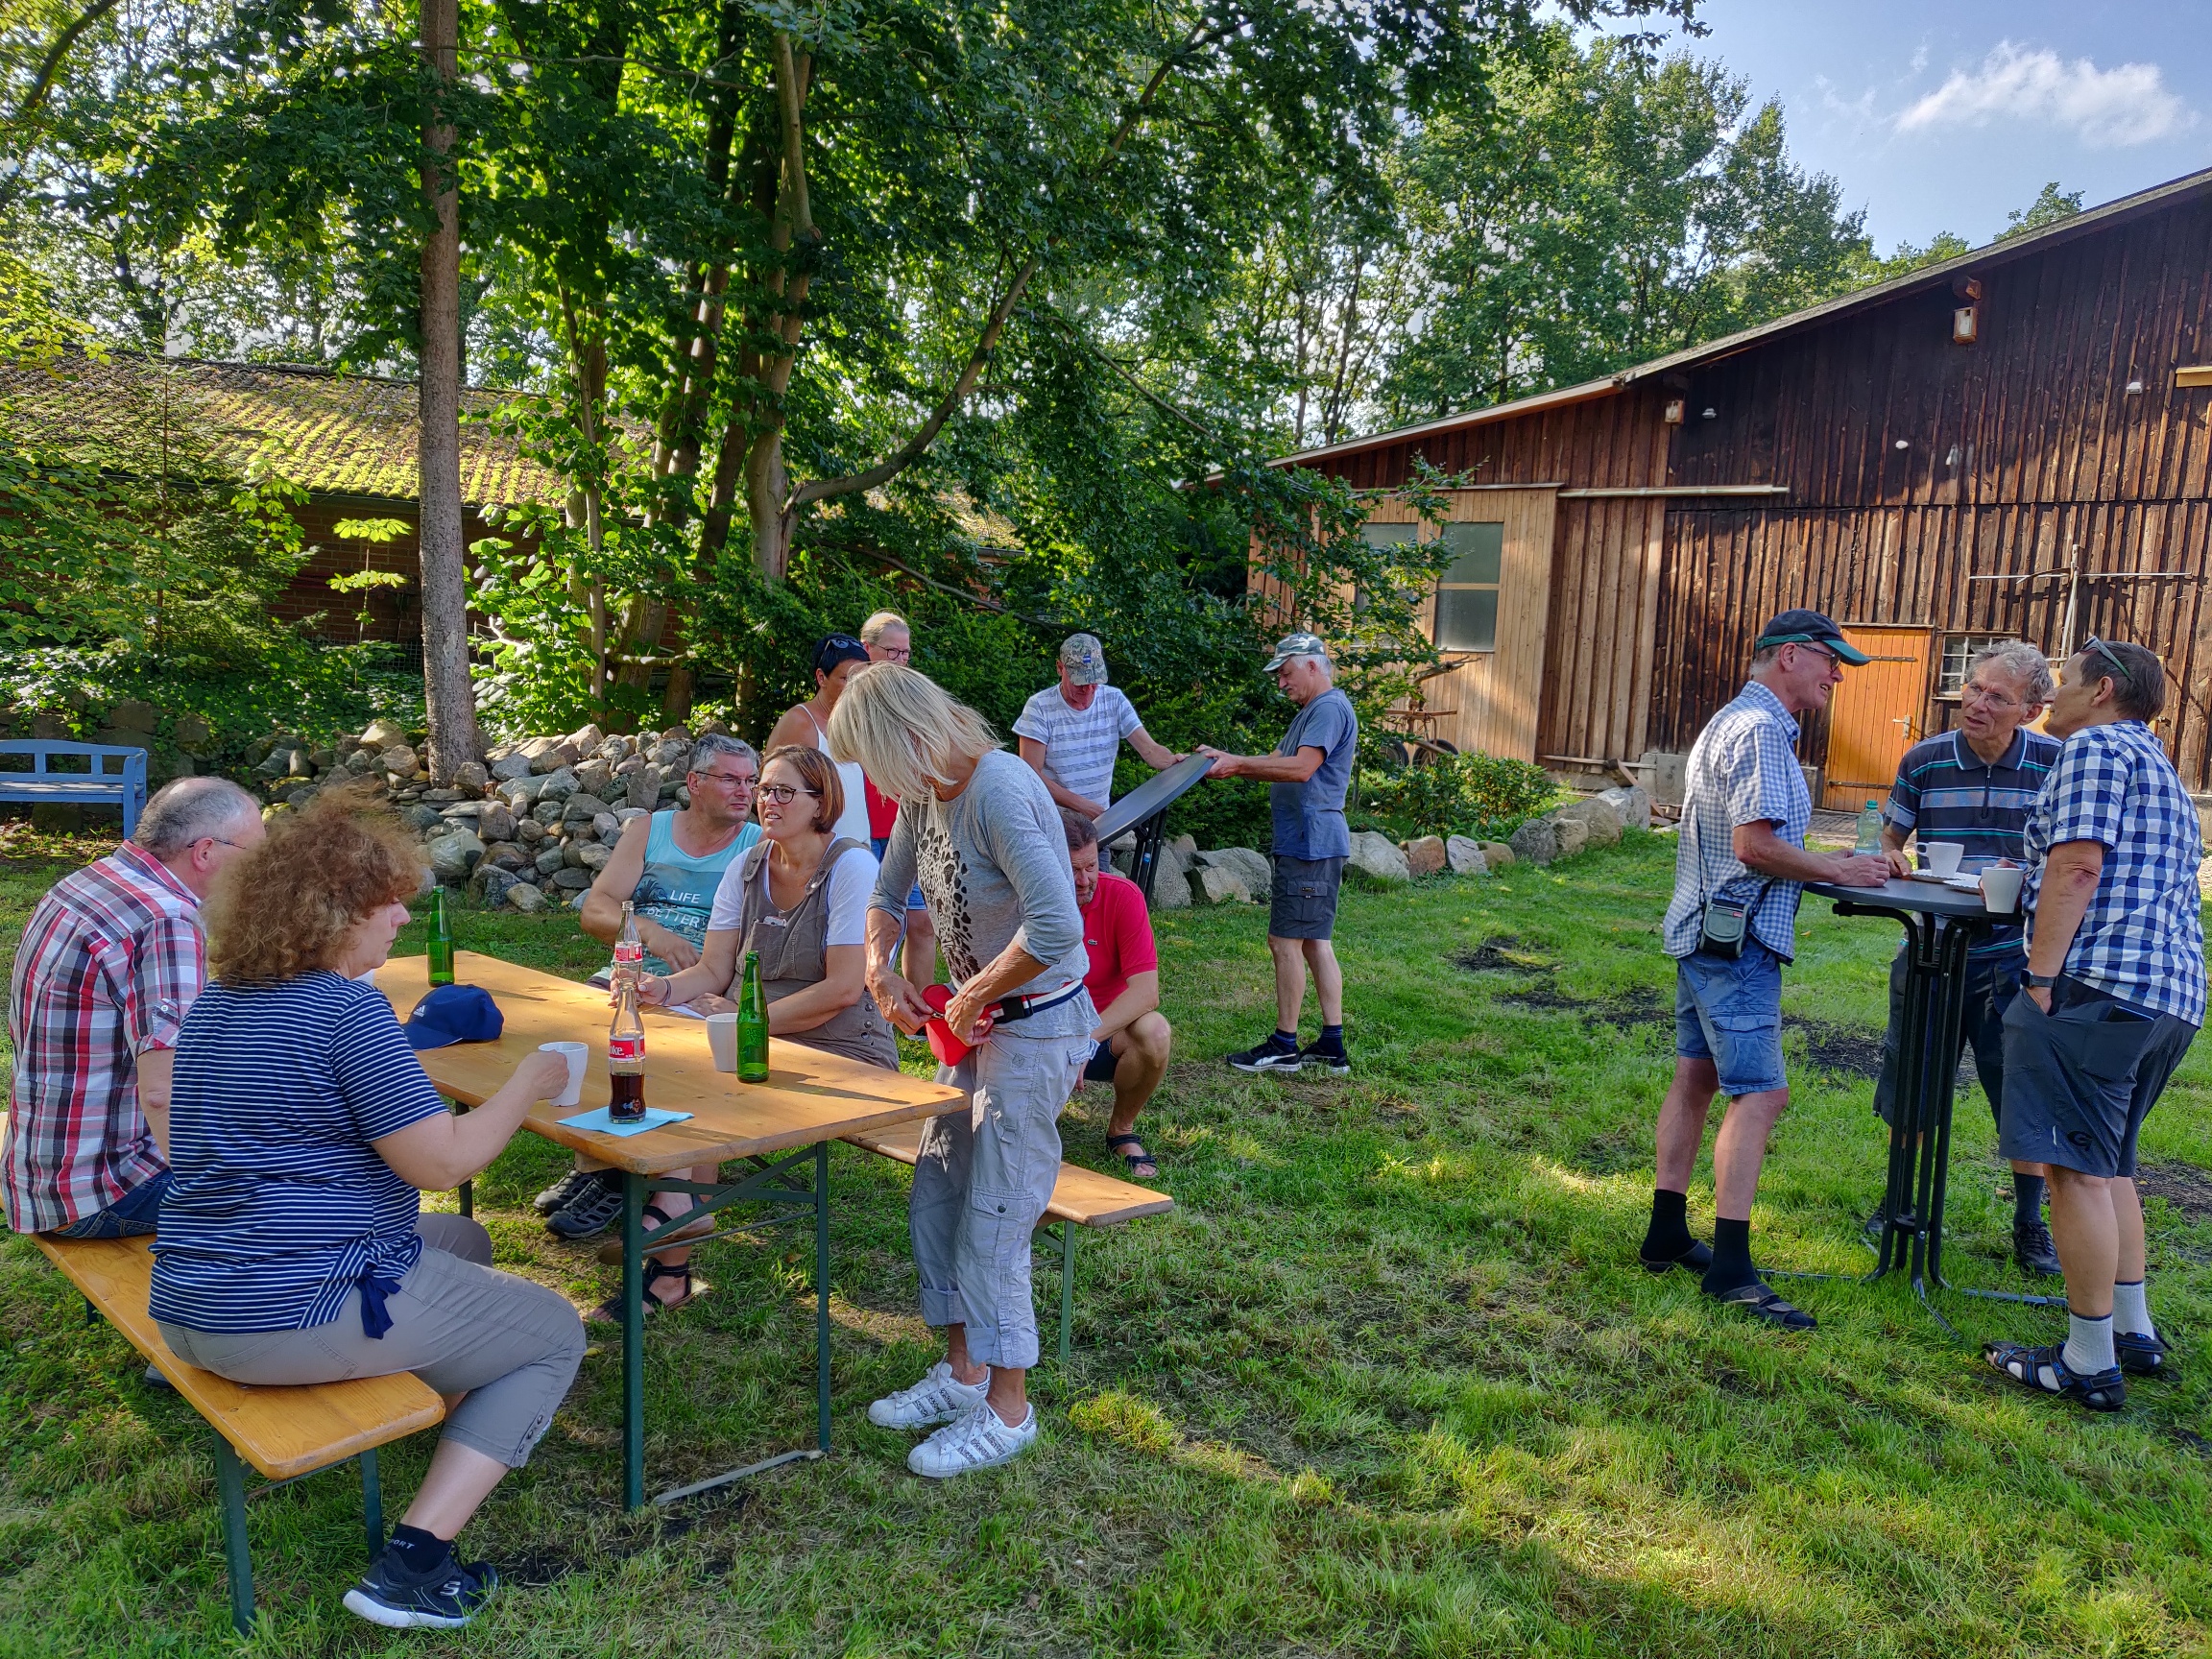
(598, 1123)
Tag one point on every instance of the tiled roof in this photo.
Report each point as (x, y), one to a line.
(333, 433)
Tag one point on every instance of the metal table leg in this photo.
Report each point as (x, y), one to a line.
(237, 1559)
(822, 1295)
(371, 1503)
(632, 1340)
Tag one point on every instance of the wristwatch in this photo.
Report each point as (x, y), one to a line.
(2042, 981)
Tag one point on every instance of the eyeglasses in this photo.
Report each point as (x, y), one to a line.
(2093, 643)
(219, 840)
(894, 653)
(784, 793)
(1982, 694)
(738, 780)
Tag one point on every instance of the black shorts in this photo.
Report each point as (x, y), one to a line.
(2080, 1080)
(1100, 1070)
(1302, 897)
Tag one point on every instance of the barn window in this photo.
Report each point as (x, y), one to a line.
(1382, 537)
(1467, 593)
(1958, 652)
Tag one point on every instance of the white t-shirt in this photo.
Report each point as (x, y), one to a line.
(849, 884)
(852, 823)
(1080, 744)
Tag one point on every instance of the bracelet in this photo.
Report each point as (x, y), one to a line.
(2042, 981)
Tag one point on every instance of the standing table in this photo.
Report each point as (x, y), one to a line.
(810, 1099)
(1940, 924)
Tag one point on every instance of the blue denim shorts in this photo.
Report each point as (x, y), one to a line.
(133, 1215)
(914, 900)
(1730, 1013)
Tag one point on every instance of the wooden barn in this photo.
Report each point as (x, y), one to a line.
(2016, 443)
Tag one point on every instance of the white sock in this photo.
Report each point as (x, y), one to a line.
(2088, 1344)
(2131, 1310)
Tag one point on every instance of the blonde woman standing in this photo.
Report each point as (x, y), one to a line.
(978, 830)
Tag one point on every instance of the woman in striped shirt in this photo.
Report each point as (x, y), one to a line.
(302, 1130)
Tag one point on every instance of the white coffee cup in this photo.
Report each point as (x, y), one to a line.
(1942, 857)
(722, 1038)
(577, 1055)
(2001, 889)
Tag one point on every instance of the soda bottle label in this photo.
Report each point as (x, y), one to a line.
(629, 952)
(621, 1048)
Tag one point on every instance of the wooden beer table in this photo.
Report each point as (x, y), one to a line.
(809, 1101)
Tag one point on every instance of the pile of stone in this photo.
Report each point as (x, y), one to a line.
(1186, 876)
(529, 827)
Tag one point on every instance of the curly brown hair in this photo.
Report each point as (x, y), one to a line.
(285, 907)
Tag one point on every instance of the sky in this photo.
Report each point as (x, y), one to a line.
(1947, 119)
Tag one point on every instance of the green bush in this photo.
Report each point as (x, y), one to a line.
(1478, 795)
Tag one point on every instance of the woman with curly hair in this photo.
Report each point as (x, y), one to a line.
(302, 1128)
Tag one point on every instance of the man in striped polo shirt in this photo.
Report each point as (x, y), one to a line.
(1972, 789)
(1072, 733)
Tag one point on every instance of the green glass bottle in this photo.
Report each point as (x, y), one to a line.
(751, 1024)
(440, 940)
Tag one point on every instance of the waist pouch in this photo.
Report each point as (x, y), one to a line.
(1725, 925)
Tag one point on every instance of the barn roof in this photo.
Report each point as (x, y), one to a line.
(1927, 277)
(333, 433)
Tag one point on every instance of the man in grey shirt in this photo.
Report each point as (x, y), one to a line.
(979, 831)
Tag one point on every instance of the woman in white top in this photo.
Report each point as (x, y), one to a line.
(836, 660)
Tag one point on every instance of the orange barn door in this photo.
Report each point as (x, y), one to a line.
(1876, 714)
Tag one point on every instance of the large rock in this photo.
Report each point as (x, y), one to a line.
(1597, 816)
(550, 860)
(1379, 856)
(549, 759)
(546, 812)
(525, 898)
(133, 715)
(593, 857)
(511, 766)
(585, 738)
(1465, 856)
(491, 882)
(400, 760)
(495, 820)
(618, 749)
(193, 734)
(644, 787)
(607, 827)
(1186, 846)
(470, 776)
(588, 806)
(508, 855)
(419, 818)
(670, 752)
(570, 881)
(360, 761)
(560, 784)
(1218, 884)
(572, 854)
(1252, 866)
(1496, 854)
(1630, 805)
(521, 793)
(1171, 887)
(593, 776)
(1425, 855)
(1537, 841)
(453, 856)
(1573, 836)
(379, 735)
(529, 831)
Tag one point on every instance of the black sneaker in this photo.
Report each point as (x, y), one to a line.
(443, 1598)
(593, 1210)
(1272, 1055)
(2033, 1249)
(1313, 1057)
(563, 1192)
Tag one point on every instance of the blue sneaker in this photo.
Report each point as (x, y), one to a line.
(445, 1597)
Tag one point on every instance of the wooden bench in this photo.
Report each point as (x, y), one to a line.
(1080, 1198)
(94, 786)
(286, 1433)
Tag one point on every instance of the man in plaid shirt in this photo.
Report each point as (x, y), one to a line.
(2115, 994)
(108, 965)
(1744, 814)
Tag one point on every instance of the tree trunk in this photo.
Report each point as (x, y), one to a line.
(453, 702)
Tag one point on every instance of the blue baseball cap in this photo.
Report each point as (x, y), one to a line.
(1810, 628)
(454, 1014)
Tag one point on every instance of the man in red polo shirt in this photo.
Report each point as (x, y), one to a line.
(1124, 984)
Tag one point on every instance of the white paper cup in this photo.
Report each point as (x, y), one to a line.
(722, 1038)
(1944, 856)
(576, 1054)
(2001, 890)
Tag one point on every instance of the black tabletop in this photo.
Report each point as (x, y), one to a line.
(1931, 897)
(1159, 792)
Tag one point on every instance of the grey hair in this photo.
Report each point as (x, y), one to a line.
(191, 809)
(2018, 656)
(714, 743)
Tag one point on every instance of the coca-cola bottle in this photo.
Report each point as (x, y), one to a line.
(626, 1057)
(628, 948)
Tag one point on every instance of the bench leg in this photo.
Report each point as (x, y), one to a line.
(231, 1483)
(468, 1193)
(371, 1503)
(1067, 1289)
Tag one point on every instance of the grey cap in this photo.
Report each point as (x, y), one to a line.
(1084, 658)
(1296, 645)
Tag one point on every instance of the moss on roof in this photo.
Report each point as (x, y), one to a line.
(331, 433)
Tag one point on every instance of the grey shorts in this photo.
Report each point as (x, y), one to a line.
(2080, 1080)
(1302, 897)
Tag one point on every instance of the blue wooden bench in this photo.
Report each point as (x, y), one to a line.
(94, 786)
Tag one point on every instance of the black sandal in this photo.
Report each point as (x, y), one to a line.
(2140, 1352)
(1136, 1161)
(1696, 1258)
(2099, 1391)
(611, 1250)
(609, 1312)
(1759, 1300)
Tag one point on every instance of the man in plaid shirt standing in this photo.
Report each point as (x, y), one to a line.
(1744, 814)
(108, 965)
(2115, 994)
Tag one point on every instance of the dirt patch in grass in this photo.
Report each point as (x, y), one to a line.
(1852, 1050)
(2184, 1186)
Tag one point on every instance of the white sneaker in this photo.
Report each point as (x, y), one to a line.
(978, 1440)
(940, 1397)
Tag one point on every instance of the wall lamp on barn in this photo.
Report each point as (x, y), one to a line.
(1966, 319)
(1672, 414)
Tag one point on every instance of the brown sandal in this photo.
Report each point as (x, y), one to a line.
(609, 1312)
(611, 1249)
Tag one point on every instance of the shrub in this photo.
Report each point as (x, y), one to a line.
(1481, 796)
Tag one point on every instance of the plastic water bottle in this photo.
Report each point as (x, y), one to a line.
(1869, 832)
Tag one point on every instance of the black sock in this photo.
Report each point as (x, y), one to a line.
(2027, 1200)
(1285, 1039)
(1668, 1235)
(419, 1551)
(1731, 1268)
(1331, 1040)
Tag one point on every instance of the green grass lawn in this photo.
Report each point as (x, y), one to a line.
(1389, 1380)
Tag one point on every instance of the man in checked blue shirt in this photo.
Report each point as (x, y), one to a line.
(1745, 813)
(2115, 994)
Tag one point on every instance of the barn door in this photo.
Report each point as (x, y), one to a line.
(1876, 714)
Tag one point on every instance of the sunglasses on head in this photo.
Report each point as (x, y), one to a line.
(2093, 643)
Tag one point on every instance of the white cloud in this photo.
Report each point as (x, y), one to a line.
(2126, 105)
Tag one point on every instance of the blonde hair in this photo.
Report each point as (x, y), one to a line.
(879, 624)
(817, 773)
(905, 733)
(285, 907)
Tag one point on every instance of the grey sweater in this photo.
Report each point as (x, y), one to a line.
(993, 864)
